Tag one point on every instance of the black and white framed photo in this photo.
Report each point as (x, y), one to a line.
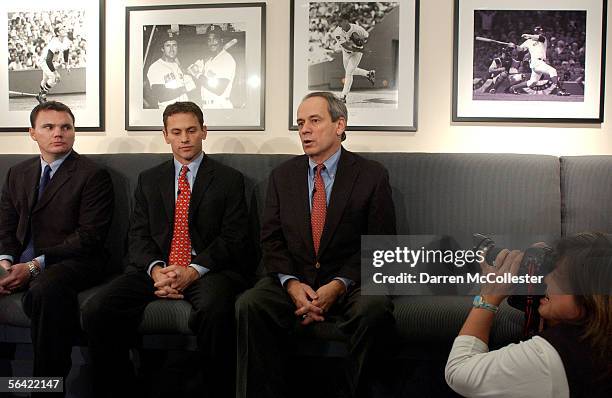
(55, 51)
(365, 52)
(211, 54)
(526, 61)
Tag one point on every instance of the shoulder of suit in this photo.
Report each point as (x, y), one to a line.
(220, 167)
(155, 171)
(289, 165)
(26, 163)
(365, 164)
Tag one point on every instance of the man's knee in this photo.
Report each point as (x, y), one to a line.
(374, 310)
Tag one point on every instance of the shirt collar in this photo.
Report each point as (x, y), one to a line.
(193, 166)
(55, 164)
(331, 164)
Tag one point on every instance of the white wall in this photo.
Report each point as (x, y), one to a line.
(436, 132)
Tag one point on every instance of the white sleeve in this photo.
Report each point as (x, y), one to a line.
(361, 31)
(339, 35)
(531, 368)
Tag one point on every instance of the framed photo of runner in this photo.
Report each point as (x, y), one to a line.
(211, 54)
(365, 52)
(526, 61)
(55, 51)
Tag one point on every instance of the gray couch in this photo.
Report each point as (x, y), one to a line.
(435, 194)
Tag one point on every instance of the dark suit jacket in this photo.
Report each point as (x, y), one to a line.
(217, 218)
(360, 204)
(71, 219)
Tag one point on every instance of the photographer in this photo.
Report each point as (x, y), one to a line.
(571, 357)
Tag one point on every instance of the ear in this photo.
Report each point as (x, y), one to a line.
(341, 126)
(32, 134)
(165, 134)
(204, 132)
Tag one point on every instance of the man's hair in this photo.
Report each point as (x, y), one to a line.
(183, 107)
(49, 106)
(335, 107)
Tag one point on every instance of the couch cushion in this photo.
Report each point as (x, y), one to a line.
(11, 311)
(426, 319)
(586, 191)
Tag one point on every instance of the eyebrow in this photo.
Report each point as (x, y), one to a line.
(53, 125)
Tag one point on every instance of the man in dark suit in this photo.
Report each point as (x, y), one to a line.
(317, 208)
(186, 241)
(55, 212)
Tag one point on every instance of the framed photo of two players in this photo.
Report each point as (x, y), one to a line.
(55, 51)
(526, 61)
(366, 52)
(211, 54)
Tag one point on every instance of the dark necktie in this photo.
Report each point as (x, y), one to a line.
(28, 253)
(180, 249)
(319, 208)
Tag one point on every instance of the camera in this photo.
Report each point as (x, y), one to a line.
(537, 261)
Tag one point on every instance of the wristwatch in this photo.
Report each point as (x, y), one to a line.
(479, 302)
(34, 270)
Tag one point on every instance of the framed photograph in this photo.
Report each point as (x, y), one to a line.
(365, 52)
(526, 61)
(211, 54)
(55, 51)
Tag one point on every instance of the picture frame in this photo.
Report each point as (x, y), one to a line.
(525, 61)
(380, 81)
(55, 52)
(218, 62)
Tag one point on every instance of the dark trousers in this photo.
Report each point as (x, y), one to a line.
(265, 321)
(52, 305)
(112, 317)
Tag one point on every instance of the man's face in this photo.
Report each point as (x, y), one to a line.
(214, 42)
(54, 133)
(185, 135)
(170, 49)
(62, 33)
(320, 136)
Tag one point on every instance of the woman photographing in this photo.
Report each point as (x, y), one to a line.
(571, 357)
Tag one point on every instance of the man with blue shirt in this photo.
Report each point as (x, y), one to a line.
(55, 212)
(186, 241)
(317, 208)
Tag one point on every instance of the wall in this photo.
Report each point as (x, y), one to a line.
(436, 132)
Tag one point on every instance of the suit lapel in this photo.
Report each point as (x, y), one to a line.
(31, 176)
(203, 179)
(299, 189)
(63, 174)
(166, 189)
(346, 175)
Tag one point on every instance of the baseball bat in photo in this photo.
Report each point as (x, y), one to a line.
(230, 44)
(144, 61)
(487, 40)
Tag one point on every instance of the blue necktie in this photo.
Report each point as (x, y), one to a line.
(28, 253)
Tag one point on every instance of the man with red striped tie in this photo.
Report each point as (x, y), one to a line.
(186, 242)
(314, 267)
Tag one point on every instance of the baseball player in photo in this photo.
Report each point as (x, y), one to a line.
(54, 54)
(537, 44)
(351, 38)
(502, 68)
(216, 73)
(166, 79)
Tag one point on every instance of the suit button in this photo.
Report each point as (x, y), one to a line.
(318, 265)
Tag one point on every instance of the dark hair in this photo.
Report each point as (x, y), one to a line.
(183, 107)
(49, 106)
(335, 107)
(586, 259)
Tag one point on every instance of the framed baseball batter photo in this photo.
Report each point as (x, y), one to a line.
(211, 54)
(526, 61)
(365, 52)
(55, 51)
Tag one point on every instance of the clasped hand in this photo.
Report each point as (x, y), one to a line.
(170, 282)
(312, 305)
(16, 276)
